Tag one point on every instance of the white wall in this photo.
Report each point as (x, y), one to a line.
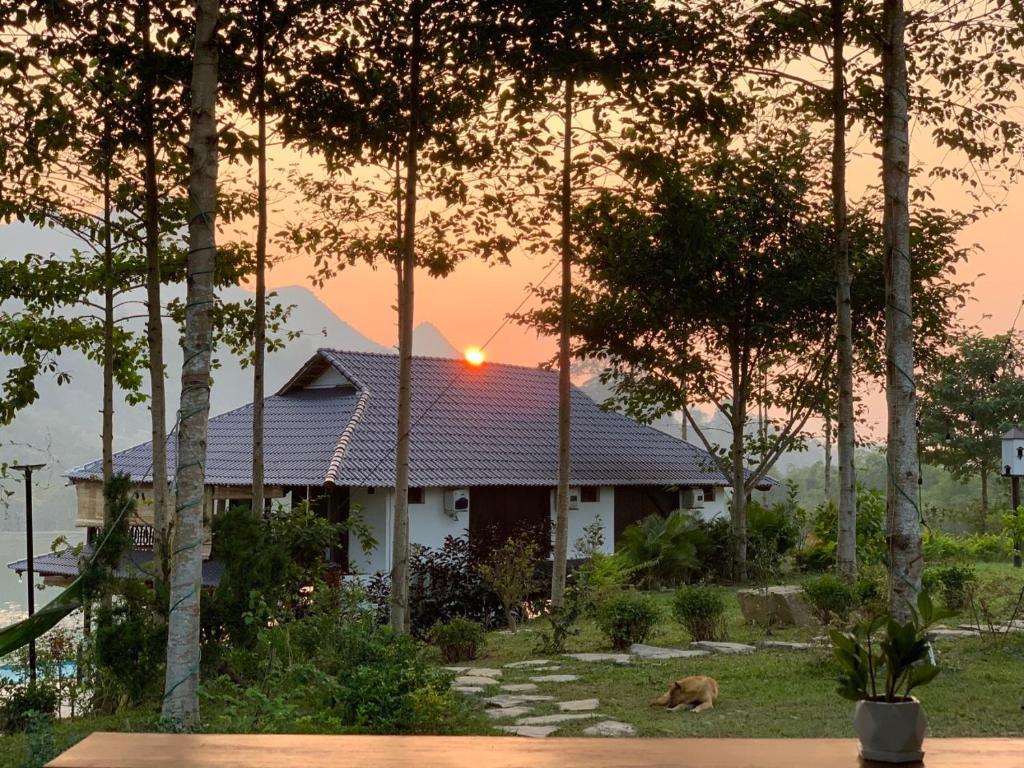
(376, 511)
(428, 523)
(717, 508)
(589, 511)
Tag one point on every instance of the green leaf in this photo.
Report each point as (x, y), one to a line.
(20, 634)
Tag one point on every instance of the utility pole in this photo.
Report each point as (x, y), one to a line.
(27, 470)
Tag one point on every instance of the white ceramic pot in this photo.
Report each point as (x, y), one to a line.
(890, 733)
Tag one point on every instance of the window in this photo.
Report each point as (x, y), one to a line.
(590, 494)
(416, 495)
(709, 493)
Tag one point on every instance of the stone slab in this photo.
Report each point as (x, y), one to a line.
(554, 679)
(505, 700)
(555, 719)
(720, 647)
(527, 663)
(482, 671)
(530, 731)
(519, 687)
(579, 705)
(785, 645)
(611, 728)
(463, 680)
(502, 713)
(654, 652)
(943, 633)
(617, 658)
(469, 690)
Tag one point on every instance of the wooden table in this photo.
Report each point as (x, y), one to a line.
(155, 750)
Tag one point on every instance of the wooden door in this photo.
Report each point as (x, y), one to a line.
(497, 513)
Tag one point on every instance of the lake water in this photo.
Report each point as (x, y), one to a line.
(13, 597)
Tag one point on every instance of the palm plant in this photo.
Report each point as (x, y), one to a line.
(662, 550)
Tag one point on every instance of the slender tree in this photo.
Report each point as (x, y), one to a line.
(181, 692)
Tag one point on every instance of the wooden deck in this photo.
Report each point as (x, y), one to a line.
(145, 750)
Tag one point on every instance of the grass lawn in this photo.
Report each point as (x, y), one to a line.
(775, 693)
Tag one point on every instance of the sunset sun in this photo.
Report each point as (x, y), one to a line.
(474, 356)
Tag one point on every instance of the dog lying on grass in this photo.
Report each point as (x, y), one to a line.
(695, 693)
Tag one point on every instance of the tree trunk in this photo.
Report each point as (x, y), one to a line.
(561, 545)
(984, 494)
(739, 499)
(904, 526)
(684, 395)
(260, 340)
(828, 457)
(181, 701)
(108, 323)
(399, 607)
(154, 322)
(846, 545)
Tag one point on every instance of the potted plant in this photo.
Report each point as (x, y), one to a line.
(879, 671)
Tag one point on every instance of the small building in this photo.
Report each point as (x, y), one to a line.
(484, 456)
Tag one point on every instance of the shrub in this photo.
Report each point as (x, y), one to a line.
(443, 583)
(815, 557)
(939, 546)
(458, 639)
(872, 590)
(509, 572)
(955, 582)
(716, 551)
(871, 546)
(627, 618)
(772, 529)
(19, 699)
(662, 550)
(831, 599)
(701, 610)
(40, 744)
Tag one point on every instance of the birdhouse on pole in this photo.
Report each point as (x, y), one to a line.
(1013, 453)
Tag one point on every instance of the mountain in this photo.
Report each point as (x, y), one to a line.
(428, 341)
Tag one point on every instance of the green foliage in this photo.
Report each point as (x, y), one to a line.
(773, 528)
(953, 581)
(627, 618)
(662, 550)
(818, 552)
(19, 700)
(902, 653)
(600, 576)
(1013, 529)
(701, 610)
(40, 743)
(831, 599)
(509, 571)
(975, 547)
(267, 561)
(458, 639)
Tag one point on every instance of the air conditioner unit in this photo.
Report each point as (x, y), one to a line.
(456, 501)
(691, 498)
(574, 498)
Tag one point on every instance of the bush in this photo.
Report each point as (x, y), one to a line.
(977, 547)
(819, 552)
(872, 590)
(815, 557)
(662, 550)
(772, 529)
(955, 582)
(716, 551)
(443, 583)
(600, 577)
(701, 610)
(19, 699)
(627, 618)
(509, 572)
(831, 599)
(458, 639)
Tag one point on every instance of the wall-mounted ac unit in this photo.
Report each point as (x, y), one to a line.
(691, 498)
(456, 501)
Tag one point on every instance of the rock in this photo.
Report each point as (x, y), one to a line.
(554, 719)
(508, 712)
(654, 652)
(717, 647)
(609, 728)
(519, 687)
(785, 645)
(467, 689)
(552, 668)
(776, 606)
(579, 705)
(514, 701)
(457, 670)
(531, 731)
(474, 680)
(554, 679)
(527, 663)
(618, 658)
(482, 671)
(944, 633)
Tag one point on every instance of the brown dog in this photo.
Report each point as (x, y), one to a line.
(696, 693)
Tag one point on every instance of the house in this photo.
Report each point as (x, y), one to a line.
(484, 456)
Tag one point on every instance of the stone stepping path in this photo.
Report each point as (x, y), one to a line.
(473, 680)
(610, 728)
(655, 652)
(618, 658)
(502, 713)
(515, 701)
(530, 731)
(480, 671)
(527, 663)
(519, 687)
(555, 719)
(554, 679)
(944, 633)
(785, 646)
(719, 647)
(579, 705)
(469, 690)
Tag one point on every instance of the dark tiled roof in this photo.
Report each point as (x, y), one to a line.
(498, 425)
(301, 430)
(489, 425)
(136, 563)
